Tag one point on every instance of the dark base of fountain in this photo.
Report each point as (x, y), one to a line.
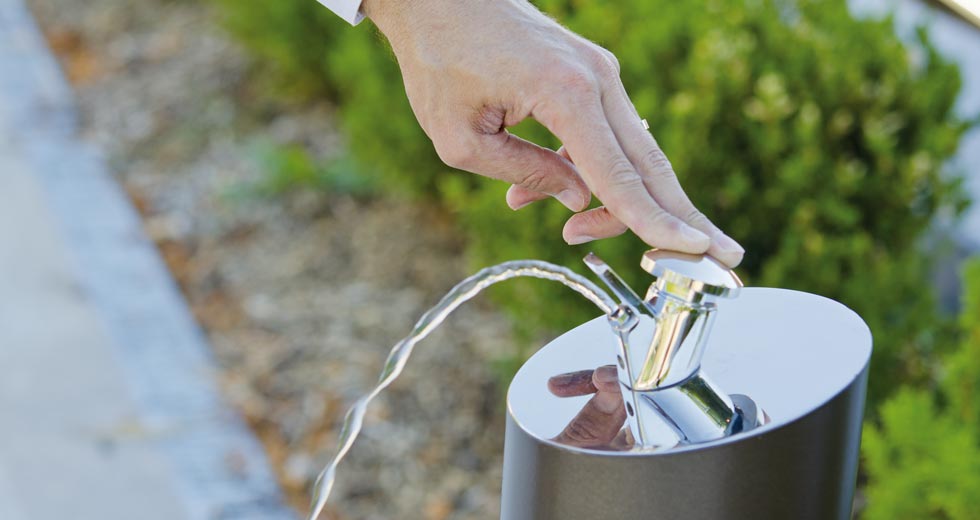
(801, 357)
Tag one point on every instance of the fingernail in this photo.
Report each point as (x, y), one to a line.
(579, 377)
(606, 374)
(562, 379)
(579, 239)
(521, 205)
(570, 199)
(695, 237)
(725, 243)
(571, 384)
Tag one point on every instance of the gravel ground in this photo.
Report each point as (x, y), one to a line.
(301, 295)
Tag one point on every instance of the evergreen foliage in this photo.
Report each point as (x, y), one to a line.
(813, 138)
(923, 458)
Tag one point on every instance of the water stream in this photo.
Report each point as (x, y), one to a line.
(399, 354)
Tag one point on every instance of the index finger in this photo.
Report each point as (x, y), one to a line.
(658, 174)
(579, 121)
(572, 384)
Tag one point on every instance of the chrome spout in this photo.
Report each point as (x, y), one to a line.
(659, 364)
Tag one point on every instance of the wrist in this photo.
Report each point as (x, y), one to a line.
(390, 16)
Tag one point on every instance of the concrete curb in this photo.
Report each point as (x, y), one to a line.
(216, 466)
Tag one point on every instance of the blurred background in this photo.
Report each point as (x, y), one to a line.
(273, 158)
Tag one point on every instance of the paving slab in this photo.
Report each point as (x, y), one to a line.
(108, 406)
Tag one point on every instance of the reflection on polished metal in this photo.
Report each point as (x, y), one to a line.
(800, 357)
(567, 456)
(660, 364)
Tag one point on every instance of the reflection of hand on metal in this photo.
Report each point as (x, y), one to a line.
(599, 425)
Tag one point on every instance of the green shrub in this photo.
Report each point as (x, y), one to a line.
(813, 138)
(292, 37)
(923, 460)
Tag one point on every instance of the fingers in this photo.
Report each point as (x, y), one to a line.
(608, 399)
(582, 126)
(519, 196)
(603, 381)
(592, 225)
(582, 227)
(599, 422)
(509, 158)
(572, 384)
(624, 440)
(658, 174)
(606, 379)
(592, 427)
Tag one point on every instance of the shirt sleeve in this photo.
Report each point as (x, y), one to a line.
(349, 10)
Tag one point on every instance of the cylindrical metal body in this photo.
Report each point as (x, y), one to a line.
(801, 358)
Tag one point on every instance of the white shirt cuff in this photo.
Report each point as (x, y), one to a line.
(349, 10)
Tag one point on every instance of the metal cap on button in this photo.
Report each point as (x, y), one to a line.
(690, 276)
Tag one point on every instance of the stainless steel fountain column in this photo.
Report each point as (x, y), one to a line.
(787, 383)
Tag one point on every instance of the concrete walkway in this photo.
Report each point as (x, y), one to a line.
(107, 404)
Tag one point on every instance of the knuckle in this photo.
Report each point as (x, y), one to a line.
(605, 63)
(582, 430)
(665, 222)
(614, 61)
(695, 218)
(655, 162)
(574, 80)
(489, 120)
(622, 175)
(591, 221)
(534, 180)
(594, 219)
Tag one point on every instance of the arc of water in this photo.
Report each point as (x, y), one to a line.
(399, 354)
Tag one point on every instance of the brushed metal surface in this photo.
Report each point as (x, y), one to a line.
(802, 357)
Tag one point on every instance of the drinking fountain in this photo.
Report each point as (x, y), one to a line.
(737, 403)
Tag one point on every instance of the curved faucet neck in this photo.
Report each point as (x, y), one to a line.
(661, 342)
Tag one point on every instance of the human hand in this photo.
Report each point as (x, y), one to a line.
(472, 68)
(599, 424)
